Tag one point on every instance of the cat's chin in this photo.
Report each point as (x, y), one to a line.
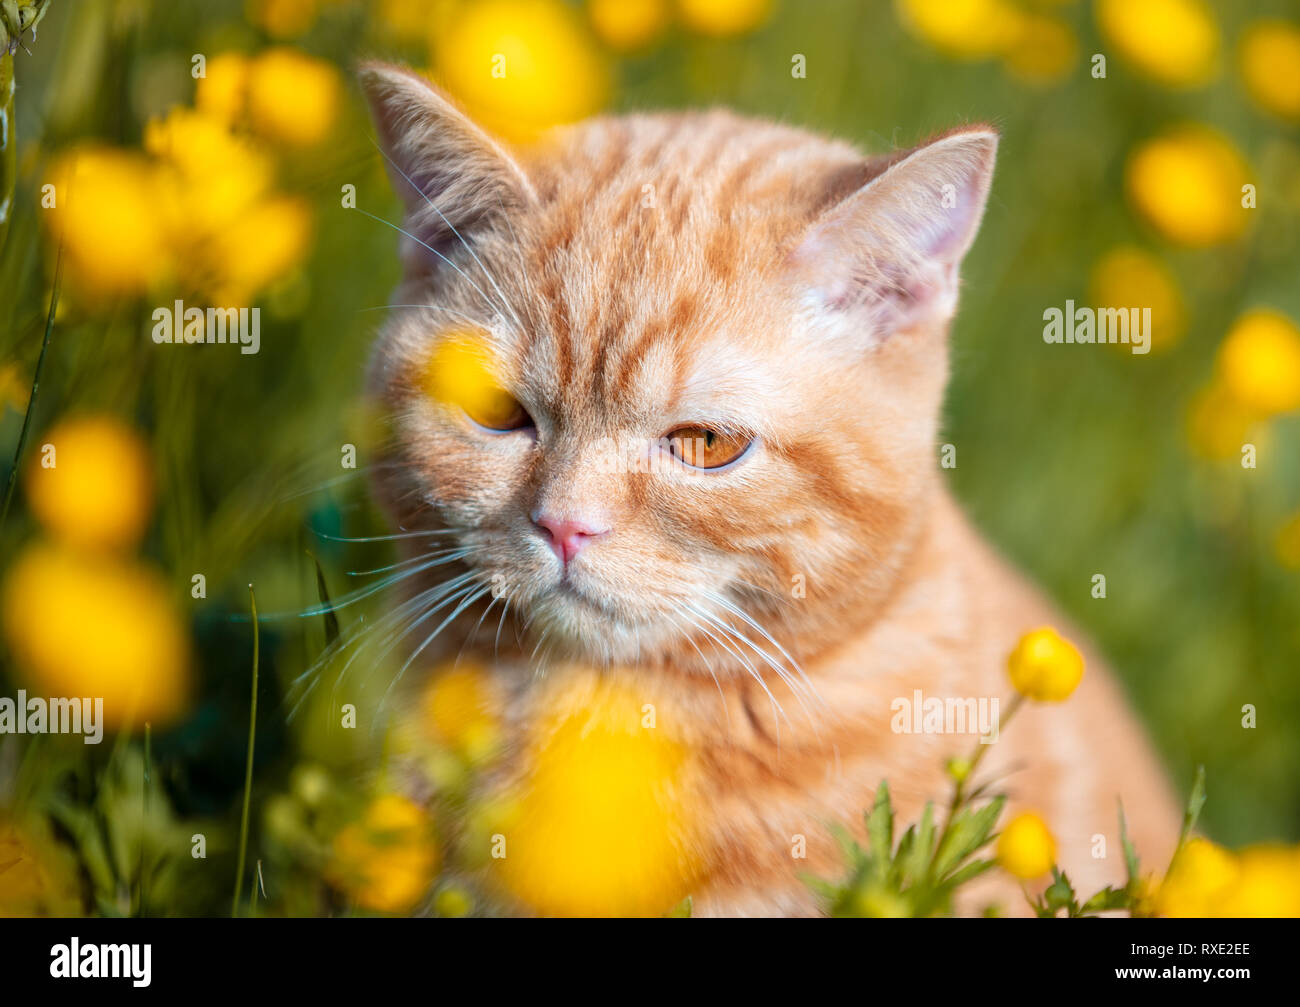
(573, 625)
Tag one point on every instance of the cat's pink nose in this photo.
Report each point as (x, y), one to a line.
(567, 536)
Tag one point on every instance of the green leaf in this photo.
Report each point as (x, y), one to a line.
(1107, 898)
(1060, 894)
(969, 830)
(322, 592)
(880, 828)
(972, 870)
(917, 859)
(681, 911)
(1195, 802)
(1130, 853)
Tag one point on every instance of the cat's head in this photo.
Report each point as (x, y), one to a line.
(675, 373)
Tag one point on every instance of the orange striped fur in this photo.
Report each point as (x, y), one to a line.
(652, 271)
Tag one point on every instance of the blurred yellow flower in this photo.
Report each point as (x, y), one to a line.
(386, 861)
(724, 17)
(262, 245)
(1174, 41)
(223, 90)
(1187, 183)
(1267, 884)
(600, 825)
(106, 216)
(37, 878)
(461, 373)
(1269, 55)
(1217, 423)
(411, 20)
(628, 24)
(1026, 848)
(1043, 49)
(1260, 362)
(92, 487)
(1045, 666)
(971, 29)
(461, 710)
(1288, 543)
(283, 18)
(1207, 881)
(86, 625)
(522, 66)
(293, 97)
(1199, 876)
(1131, 277)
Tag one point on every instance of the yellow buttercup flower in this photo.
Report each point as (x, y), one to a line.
(1260, 362)
(1043, 49)
(214, 177)
(283, 18)
(628, 24)
(461, 710)
(1174, 41)
(386, 861)
(1269, 55)
(461, 372)
(1217, 422)
(106, 217)
(411, 20)
(600, 824)
(1187, 183)
(1267, 884)
(723, 17)
(293, 97)
(223, 91)
(83, 625)
(1026, 848)
(970, 29)
(1130, 277)
(522, 66)
(1045, 666)
(259, 247)
(1199, 877)
(92, 487)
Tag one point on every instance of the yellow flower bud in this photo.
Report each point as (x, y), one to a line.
(1174, 41)
(93, 486)
(1260, 362)
(1026, 848)
(1045, 666)
(387, 861)
(1199, 876)
(724, 17)
(1270, 66)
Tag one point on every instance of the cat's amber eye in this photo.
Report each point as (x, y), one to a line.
(702, 448)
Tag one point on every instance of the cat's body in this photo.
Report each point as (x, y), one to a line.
(789, 299)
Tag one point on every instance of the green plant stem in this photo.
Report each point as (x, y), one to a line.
(144, 822)
(248, 766)
(36, 384)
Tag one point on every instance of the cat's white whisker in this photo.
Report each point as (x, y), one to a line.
(505, 301)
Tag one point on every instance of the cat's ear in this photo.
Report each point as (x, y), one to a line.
(450, 174)
(891, 248)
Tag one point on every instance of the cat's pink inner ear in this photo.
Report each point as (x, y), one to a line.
(894, 245)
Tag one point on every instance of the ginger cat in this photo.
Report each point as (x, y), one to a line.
(762, 315)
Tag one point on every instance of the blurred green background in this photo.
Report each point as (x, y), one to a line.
(1122, 188)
